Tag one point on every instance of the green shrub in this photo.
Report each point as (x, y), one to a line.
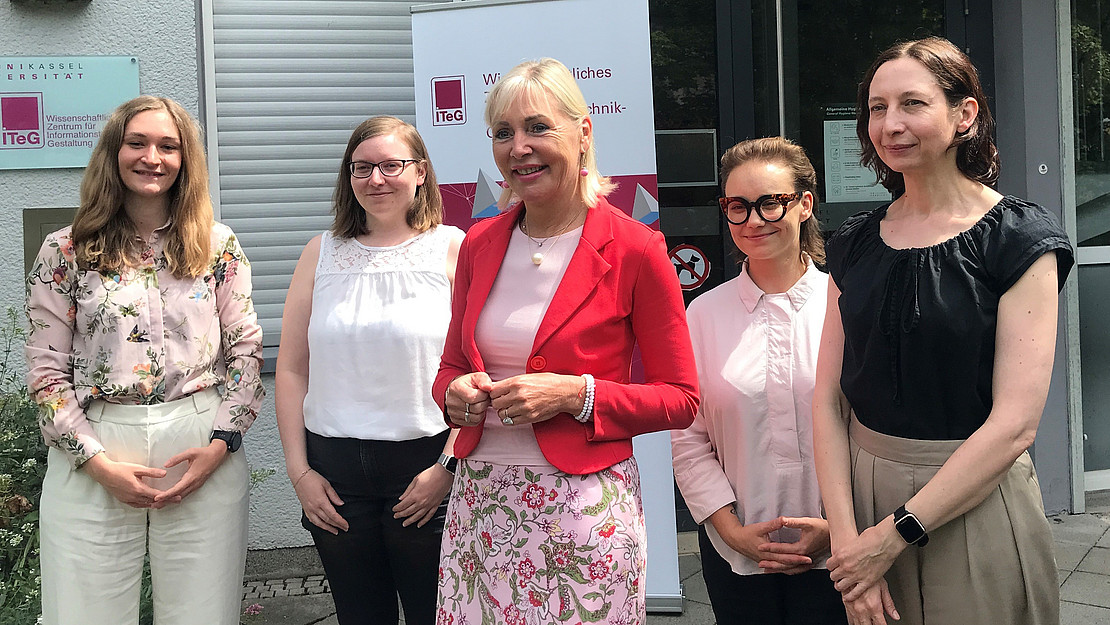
(22, 468)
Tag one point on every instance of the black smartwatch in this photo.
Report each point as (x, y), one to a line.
(233, 438)
(448, 462)
(911, 530)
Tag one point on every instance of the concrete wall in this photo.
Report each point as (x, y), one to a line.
(275, 519)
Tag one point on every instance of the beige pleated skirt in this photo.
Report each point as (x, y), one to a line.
(994, 565)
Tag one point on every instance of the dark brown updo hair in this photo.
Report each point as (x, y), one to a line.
(792, 157)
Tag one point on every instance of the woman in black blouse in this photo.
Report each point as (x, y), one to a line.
(935, 362)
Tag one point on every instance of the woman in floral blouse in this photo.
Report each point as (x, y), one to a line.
(144, 359)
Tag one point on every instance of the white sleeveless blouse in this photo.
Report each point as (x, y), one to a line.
(376, 333)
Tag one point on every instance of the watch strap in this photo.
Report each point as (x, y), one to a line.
(910, 528)
(233, 438)
(448, 462)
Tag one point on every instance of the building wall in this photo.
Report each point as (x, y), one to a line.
(275, 516)
(1027, 48)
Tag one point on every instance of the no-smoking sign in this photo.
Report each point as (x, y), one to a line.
(691, 264)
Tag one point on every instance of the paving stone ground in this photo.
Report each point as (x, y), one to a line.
(290, 587)
(1082, 558)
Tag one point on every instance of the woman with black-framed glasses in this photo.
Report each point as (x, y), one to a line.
(366, 449)
(745, 467)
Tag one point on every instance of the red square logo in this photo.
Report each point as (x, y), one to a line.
(449, 94)
(21, 121)
(19, 112)
(448, 101)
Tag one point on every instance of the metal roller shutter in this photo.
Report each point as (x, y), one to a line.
(291, 79)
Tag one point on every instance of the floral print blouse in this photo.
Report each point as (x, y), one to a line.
(141, 336)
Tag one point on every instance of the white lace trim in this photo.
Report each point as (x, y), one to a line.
(426, 251)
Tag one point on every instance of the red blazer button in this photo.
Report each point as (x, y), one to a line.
(538, 363)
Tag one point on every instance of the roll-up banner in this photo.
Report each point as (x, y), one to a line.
(459, 51)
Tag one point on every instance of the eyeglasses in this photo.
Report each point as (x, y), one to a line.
(771, 207)
(391, 168)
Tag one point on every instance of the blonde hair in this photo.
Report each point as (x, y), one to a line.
(549, 78)
(103, 234)
(427, 207)
(793, 157)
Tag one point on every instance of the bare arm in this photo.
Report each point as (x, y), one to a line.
(1024, 351)
(291, 377)
(830, 427)
(421, 499)
(453, 258)
(831, 414)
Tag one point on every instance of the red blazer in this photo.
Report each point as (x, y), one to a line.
(619, 290)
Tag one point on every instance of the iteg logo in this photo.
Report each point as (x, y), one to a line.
(21, 121)
(448, 101)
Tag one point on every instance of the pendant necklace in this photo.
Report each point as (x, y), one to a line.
(537, 258)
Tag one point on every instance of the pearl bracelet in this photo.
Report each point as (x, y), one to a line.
(587, 403)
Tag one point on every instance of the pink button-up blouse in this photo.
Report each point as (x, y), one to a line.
(751, 442)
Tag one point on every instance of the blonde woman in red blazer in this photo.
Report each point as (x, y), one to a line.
(550, 299)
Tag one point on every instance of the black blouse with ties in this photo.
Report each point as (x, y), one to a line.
(919, 323)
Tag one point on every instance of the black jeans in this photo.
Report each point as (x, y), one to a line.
(377, 559)
(770, 598)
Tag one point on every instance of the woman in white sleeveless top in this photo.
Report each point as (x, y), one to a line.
(366, 448)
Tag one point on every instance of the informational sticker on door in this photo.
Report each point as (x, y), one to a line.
(53, 108)
(845, 179)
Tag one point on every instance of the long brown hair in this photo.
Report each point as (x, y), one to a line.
(976, 153)
(103, 234)
(793, 157)
(427, 207)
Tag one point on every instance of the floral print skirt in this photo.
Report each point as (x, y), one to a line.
(531, 545)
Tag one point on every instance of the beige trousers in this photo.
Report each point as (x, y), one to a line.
(92, 545)
(990, 566)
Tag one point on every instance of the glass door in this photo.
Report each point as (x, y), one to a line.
(809, 58)
(1091, 106)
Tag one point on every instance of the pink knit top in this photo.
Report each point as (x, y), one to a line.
(507, 329)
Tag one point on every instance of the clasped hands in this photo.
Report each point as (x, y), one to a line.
(519, 400)
(857, 567)
(124, 480)
(753, 541)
